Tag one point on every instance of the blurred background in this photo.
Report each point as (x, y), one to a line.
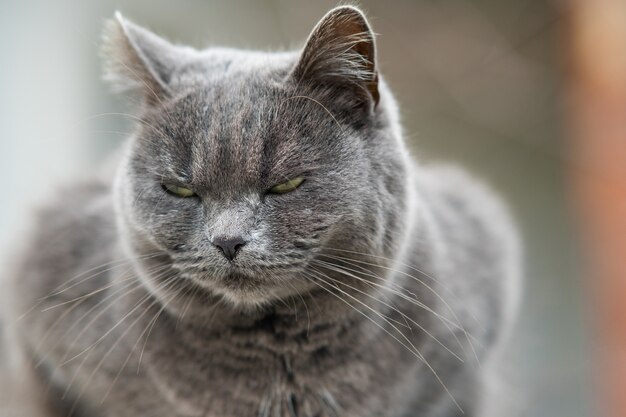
(479, 84)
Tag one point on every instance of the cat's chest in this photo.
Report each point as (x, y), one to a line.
(261, 372)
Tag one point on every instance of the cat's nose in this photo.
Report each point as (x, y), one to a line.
(229, 245)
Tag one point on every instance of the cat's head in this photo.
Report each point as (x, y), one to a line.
(247, 166)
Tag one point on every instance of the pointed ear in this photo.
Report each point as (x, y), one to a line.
(341, 50)
(137, 59)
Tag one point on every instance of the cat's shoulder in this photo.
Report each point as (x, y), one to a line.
(76, 211)
(474, 218)
(73, 229)
(450, 189)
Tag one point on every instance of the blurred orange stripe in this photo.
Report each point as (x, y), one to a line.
(597, 105)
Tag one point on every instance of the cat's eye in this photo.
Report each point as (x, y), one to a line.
(178, 191)
(287, 186)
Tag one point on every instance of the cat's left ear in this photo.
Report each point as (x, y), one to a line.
(137, 59)
(341, 50)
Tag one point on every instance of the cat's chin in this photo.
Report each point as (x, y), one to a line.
(246, 292)
(245, 301)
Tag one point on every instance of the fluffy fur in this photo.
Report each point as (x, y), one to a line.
(373, 289)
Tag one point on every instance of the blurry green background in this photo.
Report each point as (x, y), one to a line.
(478, 82)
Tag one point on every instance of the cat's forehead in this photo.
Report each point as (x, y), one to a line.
(225, 65)
(238, 134)
(227, 83)
(244, 107)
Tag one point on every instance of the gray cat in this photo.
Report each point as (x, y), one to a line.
(266, 248)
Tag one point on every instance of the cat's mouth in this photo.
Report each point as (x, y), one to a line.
(243, 283)
(249, 289)
(245, 290)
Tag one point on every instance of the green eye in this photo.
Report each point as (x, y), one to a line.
(178, 191)
(287, 187)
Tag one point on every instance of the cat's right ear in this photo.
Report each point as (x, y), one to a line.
(341, 52)
(137, 59)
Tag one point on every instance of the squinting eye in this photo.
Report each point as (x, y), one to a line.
(287, 187)
(178, 191)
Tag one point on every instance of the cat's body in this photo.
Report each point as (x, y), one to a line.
(393, 279)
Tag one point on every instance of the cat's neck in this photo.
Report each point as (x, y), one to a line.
(313, 320)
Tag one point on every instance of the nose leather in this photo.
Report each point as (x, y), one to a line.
(229, 245)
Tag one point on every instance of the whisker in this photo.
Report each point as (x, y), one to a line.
(89, 294)
(433, 291)
(89, 349)
(419, 326)
(414, 349)
(397, 290)
(137, 305)
(308, 315)
(76, 322)
(188, 304)
(443, 285)
(131, 287)
(114, 264)
(108, 352)
(59, 289)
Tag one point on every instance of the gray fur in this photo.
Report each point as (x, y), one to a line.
(371, 290)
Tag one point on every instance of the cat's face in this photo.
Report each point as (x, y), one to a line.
(243, 173)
